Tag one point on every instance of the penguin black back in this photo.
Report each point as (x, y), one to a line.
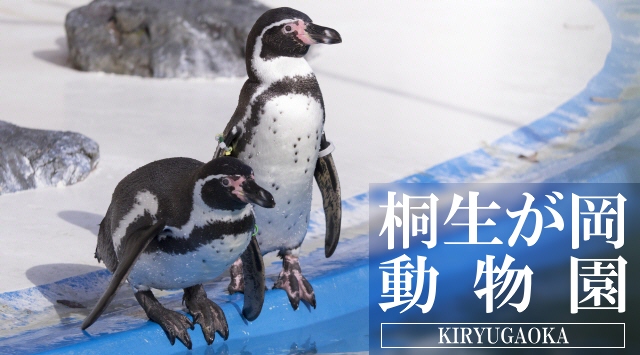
(164, 188)
(163, 178)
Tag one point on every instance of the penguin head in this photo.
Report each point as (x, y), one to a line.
(287, 32)
(228, 184)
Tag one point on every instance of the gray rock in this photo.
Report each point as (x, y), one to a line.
(32, 158)
(162, 38)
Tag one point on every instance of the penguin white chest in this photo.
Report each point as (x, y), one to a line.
(174, 271)
(283, 152)
(202, 259)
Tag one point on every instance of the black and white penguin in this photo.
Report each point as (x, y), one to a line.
(176, 223)
(277, 128)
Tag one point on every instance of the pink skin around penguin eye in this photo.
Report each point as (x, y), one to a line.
(301, 31)
(237, 182)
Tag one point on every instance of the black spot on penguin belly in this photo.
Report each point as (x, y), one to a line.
(201, 236)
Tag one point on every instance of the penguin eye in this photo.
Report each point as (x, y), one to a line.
(287, 29)
(225, 182)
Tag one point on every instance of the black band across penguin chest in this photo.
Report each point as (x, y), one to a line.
(259, 115)
(201, 236)
(200, 256)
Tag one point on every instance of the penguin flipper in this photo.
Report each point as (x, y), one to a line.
(133, 245)
(254, 283)
(327, 178)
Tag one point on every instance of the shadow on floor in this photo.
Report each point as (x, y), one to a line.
(75, 294)
(87, 220)
(49, 273)
(57, 56)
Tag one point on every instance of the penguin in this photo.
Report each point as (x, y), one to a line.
(278, 129)
(174, 224)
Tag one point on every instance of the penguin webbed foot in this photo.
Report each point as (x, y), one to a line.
(206, 313)
(294, 283)
(174, 324)
(237, 278)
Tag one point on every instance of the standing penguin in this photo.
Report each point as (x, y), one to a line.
(176, 223)
(277, 128)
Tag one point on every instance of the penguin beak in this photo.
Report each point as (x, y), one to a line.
(317, 34)
(253, 193)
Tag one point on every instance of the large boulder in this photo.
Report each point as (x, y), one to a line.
(31, 158)
(162, 38)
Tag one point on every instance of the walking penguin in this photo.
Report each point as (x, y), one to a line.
(176, 223)
(277, 128)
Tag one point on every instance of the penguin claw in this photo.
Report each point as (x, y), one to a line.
(206, 313)
(291, 280)
(174, 325)
(185, 338)
(308, 294)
